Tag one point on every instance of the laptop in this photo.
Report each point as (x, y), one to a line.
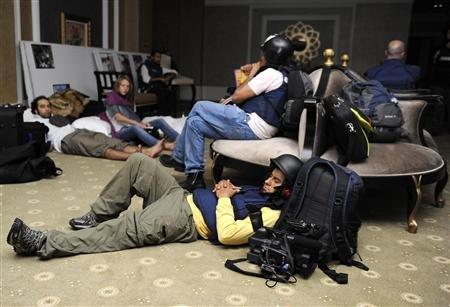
(61, 87)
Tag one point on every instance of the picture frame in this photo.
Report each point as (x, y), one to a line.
(75, 30)
(105, 60)
(124, 62)
(43, 56)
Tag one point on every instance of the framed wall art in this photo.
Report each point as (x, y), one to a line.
(75, 30)
(43, 56)
(104, 60)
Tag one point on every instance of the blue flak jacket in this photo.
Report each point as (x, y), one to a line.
(395, 74)
(269, 106)
(206, 201)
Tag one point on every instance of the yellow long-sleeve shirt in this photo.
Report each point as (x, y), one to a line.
(229, 230)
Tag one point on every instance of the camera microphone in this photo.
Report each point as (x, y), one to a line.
(255, 215)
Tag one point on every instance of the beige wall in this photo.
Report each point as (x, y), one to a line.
(7, 53)
(25, 20)
(135, 25)
(129, 25)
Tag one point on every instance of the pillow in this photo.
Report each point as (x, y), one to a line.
(28, 116)
(93, 123)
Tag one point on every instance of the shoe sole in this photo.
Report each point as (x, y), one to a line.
(14, 232)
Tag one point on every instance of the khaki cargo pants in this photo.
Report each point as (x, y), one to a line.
(166, 216)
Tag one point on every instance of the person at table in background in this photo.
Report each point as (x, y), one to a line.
(153, 78)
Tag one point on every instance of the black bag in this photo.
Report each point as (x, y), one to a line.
(375, 101)
(299, 87)
(351, 139)
(321, 215)
(11, 125)
(25, 163)
(319, 224)
(35, 131)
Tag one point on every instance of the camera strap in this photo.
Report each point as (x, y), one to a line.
(231, 265)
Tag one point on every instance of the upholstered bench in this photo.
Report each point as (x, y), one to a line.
(407, 165)
(255, 152)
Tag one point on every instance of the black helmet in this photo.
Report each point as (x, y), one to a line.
(289, 165)
(277, 49)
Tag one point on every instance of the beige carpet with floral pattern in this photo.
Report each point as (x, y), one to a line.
(405, 269)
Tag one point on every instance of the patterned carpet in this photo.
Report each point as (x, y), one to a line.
(405, 269)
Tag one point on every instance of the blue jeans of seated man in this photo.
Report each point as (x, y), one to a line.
(208, 119)
(136, 132)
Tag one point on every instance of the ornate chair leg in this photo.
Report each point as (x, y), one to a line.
(439, 200)
(413, 203)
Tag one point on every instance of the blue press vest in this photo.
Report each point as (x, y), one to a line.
(206, 201)
(395, 74)
(269, 106)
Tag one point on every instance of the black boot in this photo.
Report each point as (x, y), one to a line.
(168, 161)
(193, 181)
(25, 240)
(87, 220)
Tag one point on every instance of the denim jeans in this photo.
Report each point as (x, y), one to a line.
(130, 133)
(135, 132)
(169, 133)
(208, 119)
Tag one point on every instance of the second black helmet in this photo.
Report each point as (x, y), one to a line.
(289, 165)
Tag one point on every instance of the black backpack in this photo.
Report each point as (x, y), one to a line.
(321, 215)
(319, 224)
(375, 101)
(25, 163)
(299, 88)
(350, 138)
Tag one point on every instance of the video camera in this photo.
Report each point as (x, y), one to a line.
(282, 253)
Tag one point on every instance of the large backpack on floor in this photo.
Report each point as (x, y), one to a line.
(319, 224)
(322, 210)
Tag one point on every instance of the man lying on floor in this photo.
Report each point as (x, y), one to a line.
(66, 139)
(170, 213)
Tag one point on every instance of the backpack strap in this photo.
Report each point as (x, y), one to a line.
(339, 237)
(340, 278)
(323, 82)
